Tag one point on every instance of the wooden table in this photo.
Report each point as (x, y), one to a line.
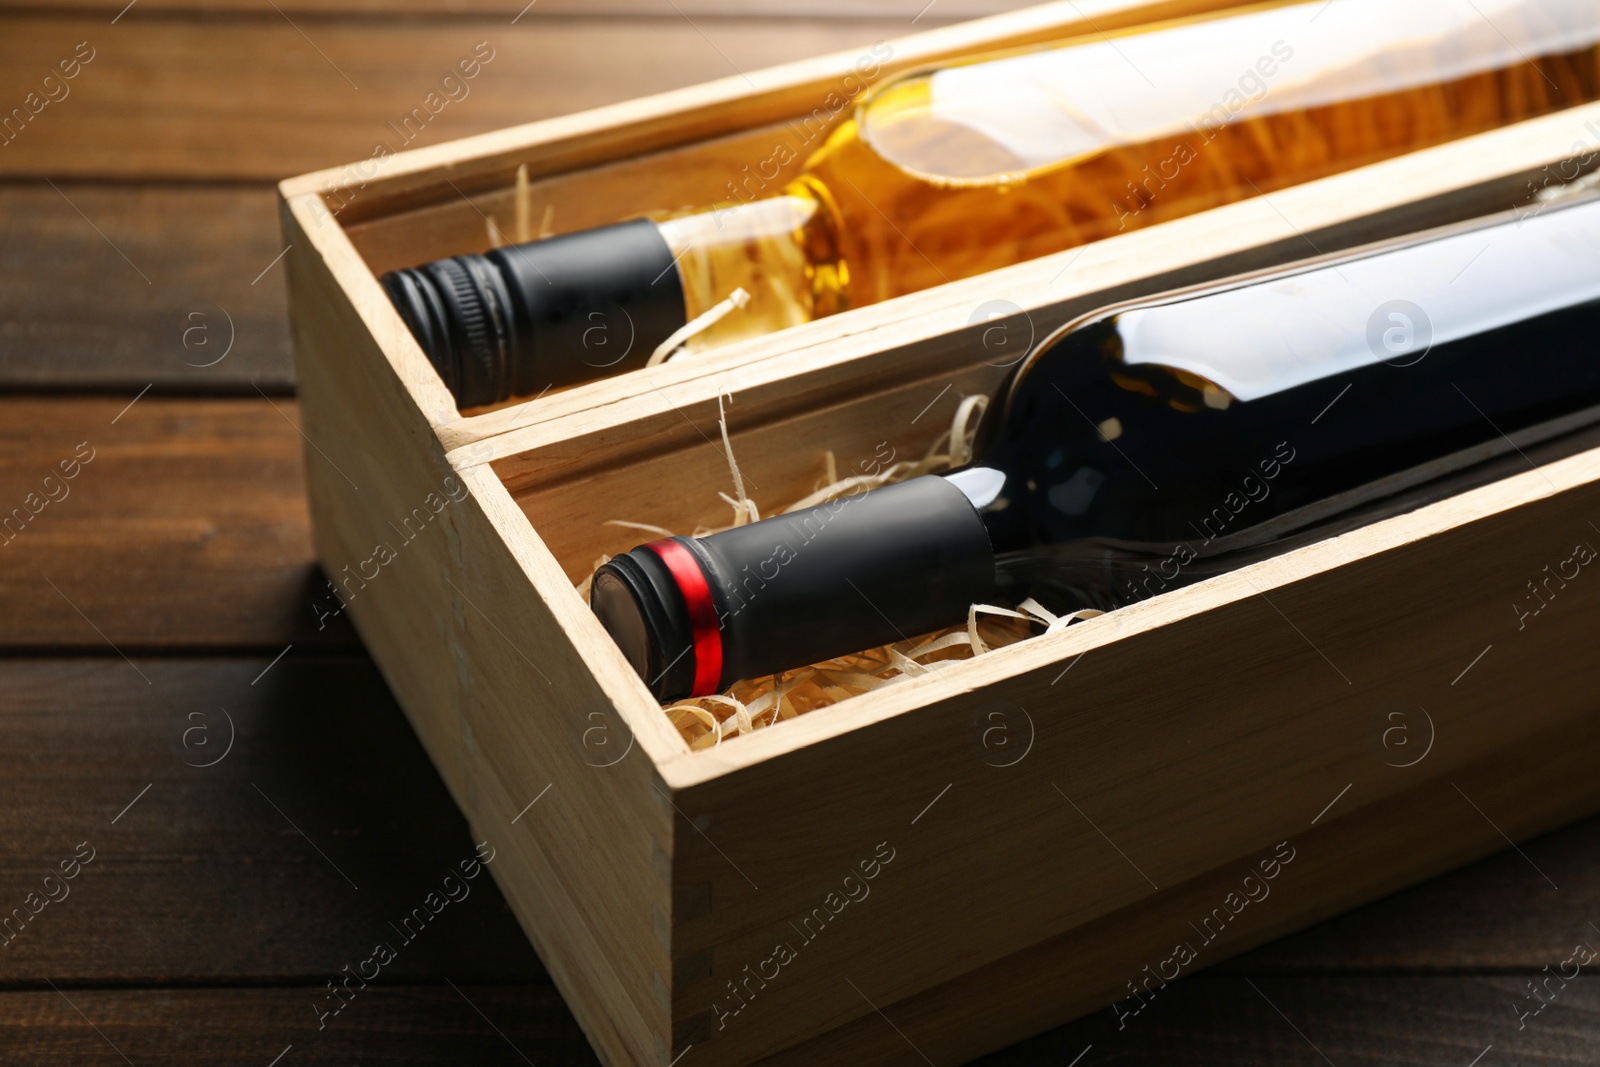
(241, 805)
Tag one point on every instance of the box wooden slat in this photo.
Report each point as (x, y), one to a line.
(1171, 746)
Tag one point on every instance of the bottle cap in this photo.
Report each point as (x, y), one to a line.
(695, 615)
(519, 319)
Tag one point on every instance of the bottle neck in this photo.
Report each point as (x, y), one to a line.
(781, 247)
(694, 615)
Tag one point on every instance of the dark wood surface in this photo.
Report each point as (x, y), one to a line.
(258, 811)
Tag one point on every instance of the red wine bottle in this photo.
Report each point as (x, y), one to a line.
(1153, 444)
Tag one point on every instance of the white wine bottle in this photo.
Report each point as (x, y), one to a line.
(946, 174)
(1153, 445)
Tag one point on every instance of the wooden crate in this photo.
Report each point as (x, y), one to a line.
(940, 889)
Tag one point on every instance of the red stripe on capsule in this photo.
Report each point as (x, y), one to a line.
(696, 592)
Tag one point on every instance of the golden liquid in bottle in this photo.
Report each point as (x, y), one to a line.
(900, 197)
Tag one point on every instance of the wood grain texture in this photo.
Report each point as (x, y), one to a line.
(1381, 841)
(261, 98)
(1395, 1021)
(250, 822)
(916, 13)
(205, 925)
(115, 287)
(1160, 782)
(1497, 914)
(185, 528)
(386, 1023)
(1374, 1021)
(221, 890)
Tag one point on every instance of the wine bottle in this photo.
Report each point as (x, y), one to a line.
(1153, 444)
(946, 174)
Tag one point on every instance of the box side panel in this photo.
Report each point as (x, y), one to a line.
(705, 172)
(508, 709)
(1388, 845)
(1021, 807)
(372, 462)
(569, 776)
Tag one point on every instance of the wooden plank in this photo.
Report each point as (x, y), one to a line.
(203, 835)
(263, 97)
(247, 821)
(387, 1023)
(117, 287)
(1205, 1022)
(208, 836)
(1497, 914)
(1315, 1021)
(567, 200)
(184, 525)
(919, 12)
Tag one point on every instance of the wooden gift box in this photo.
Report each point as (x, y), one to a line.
(892, 879)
